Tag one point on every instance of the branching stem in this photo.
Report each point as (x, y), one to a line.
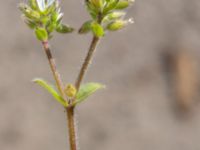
(71, 110)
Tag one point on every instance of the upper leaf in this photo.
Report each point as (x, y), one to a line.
(86, 90)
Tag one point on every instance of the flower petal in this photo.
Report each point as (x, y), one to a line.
(41, 4)
(50, 2)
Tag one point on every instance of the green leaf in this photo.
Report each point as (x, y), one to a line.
(41, 34)
(85, 28)
(86, 90)
(64, 29)
(97, 29)
(122, 4)
(51, 90)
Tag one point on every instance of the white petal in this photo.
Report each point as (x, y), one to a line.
(50, 2)
(41, 4)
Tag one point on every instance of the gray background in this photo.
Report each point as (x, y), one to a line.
(135, 112)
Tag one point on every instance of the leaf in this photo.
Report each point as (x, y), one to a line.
(64, 29)
(86, 90)
(51, 90)
(97, 29)
(41, 34)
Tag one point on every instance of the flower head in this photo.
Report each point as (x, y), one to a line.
(107, 15)
(45, 16)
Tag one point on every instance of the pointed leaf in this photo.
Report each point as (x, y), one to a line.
(86, 90)
(51, 90)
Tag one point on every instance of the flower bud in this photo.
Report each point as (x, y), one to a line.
(70, 90)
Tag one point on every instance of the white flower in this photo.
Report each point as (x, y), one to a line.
(44, 4)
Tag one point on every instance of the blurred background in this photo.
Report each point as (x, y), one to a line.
(150, 68)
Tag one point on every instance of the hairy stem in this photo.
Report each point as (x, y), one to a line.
(71, 110)
(86, 62)
(72, 128)
(52, 64)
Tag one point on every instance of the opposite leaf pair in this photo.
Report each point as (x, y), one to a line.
(45, 17)
(85, 91)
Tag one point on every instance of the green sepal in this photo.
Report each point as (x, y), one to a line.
(113, 16)
(86, 90)
(33, 4)
(97, 29)
(41, 34)
(85, 28)
(61, 28)
(30, 24)
(97, 3)
(92, 10)
(122, 4)
(51, 90)
(28, 12)
(110, 6)
(51, 27)
(116, 25)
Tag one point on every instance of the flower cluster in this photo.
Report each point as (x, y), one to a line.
(44, 17)
(106, 15)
